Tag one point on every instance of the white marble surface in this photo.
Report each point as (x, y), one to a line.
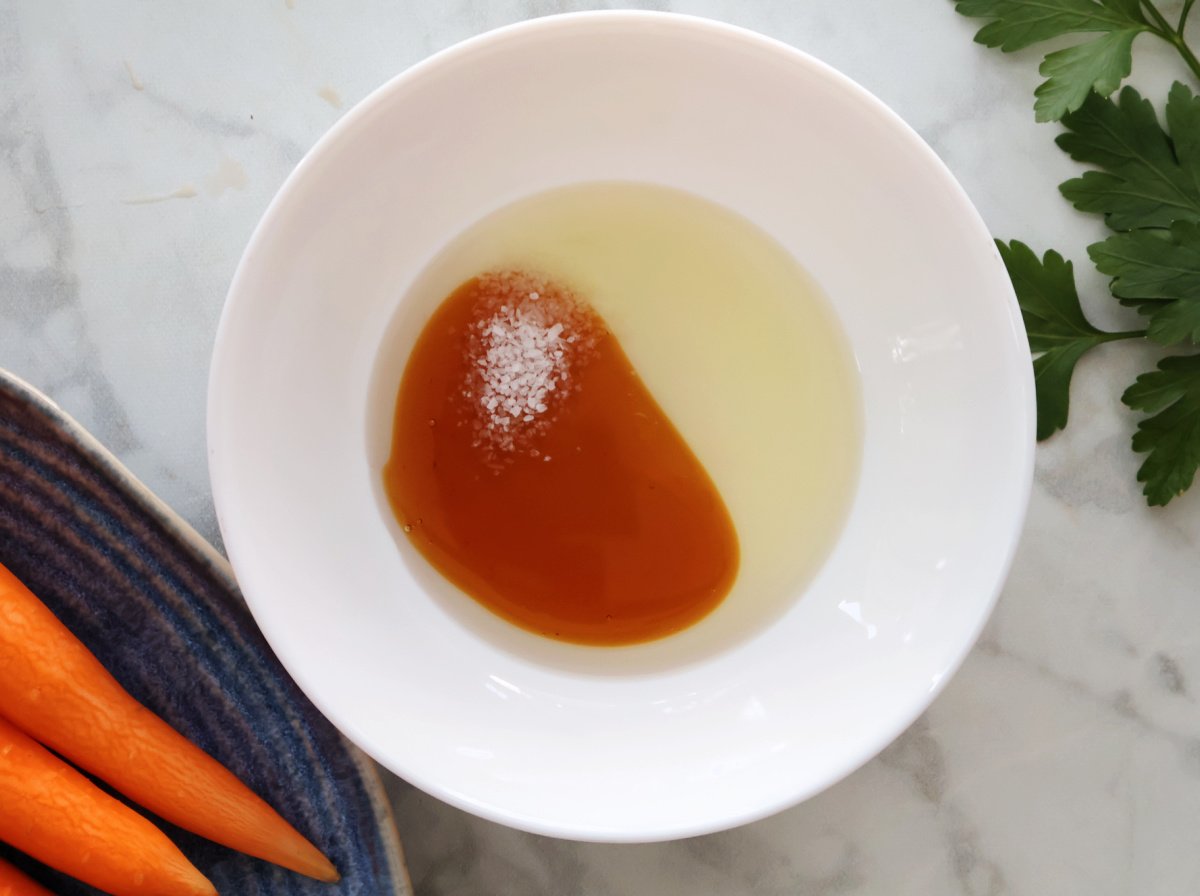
(140, 142)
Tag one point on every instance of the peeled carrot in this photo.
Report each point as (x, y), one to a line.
(14, 882)
(55, 690)
(53, 813)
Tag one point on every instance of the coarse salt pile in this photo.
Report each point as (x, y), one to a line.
(527, 337)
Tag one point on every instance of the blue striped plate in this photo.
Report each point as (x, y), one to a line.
(158, 605)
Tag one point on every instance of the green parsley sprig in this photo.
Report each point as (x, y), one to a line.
(1099, 64)
(1144, 179)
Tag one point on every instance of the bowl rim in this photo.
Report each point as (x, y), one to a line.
(343, 129)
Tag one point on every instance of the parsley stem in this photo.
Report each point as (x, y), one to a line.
(1124, 334)
(1164, 29)
(1174, 36)
(1163, 26)
(1186, 52)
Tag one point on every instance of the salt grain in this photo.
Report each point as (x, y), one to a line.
(528, 336)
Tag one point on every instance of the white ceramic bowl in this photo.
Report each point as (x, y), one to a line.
(570, 741)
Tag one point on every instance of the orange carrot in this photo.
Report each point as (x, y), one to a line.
(53, 813)
(14, 882)
(55, 690)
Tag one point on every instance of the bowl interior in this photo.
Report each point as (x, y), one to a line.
(678, 737)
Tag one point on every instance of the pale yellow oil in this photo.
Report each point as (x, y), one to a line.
(732, 337)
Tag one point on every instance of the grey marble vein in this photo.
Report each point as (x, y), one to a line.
(42, 333)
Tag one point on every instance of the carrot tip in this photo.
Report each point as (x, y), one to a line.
(197, 882)
(323, 871)
(306, 859)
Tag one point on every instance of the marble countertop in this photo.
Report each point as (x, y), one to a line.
(139, 144)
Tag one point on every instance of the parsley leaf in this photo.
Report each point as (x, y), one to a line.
(1148, 178)
(1171, 437)
(1145, 180)
(1160, 274)
(1059, 334)
(1099, 64)
(1020, 23)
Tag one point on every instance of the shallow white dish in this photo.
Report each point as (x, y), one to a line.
(665, 740)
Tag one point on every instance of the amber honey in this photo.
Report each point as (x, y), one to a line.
(532, 467)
